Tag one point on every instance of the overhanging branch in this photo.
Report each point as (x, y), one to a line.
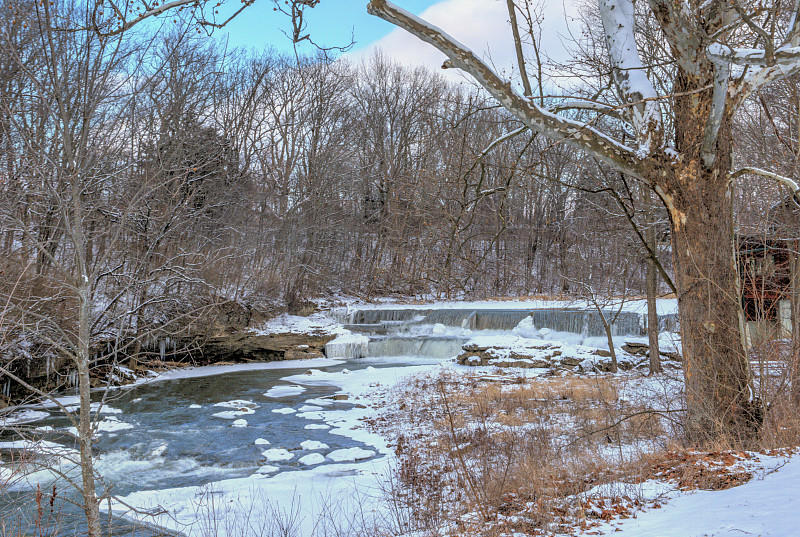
(537, 119)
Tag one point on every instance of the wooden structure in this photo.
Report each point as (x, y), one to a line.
(769, 268)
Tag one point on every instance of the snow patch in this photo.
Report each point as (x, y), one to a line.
(350, 454)
(277, 454)
(311, 459)
(312, 445)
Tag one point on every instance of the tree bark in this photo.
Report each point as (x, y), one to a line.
(716, 370)
(717, 375)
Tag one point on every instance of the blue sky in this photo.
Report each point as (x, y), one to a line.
(331, 23)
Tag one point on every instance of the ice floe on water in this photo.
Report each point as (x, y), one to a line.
(267, 469)
(309, 408)
(312, 445)
(277, 454)
(241, 407)
(350, 454)
(285, 410)
(238, 404)
(319, 401)
(277, 392)
(261, 442)
(311, 459)
(195, 406)
(239, 423)
(233, 414)
(107, 425)
(312, 415)
(19, 417)
(319, 426)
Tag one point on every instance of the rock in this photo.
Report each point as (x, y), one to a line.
(570, 361)
(524, 363)
(249, 347)
(637, 349)
(601, 352)
(674, 356)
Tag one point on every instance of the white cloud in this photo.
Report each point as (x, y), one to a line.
(481, 25)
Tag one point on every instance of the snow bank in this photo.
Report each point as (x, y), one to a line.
(350, 454)
(766, 506)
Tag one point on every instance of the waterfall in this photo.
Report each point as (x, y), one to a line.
(431, 347)
(378, 316)
(447, 317)
(347, 346)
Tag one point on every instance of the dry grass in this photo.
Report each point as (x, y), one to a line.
(495, 455)
(485, 451)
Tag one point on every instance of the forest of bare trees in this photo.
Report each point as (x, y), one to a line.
(181, 170)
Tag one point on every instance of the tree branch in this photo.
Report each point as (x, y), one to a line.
(575, 133)
(629, 74)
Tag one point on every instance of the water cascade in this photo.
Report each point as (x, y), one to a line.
(428, 347)
(575, 320)
(347, 346)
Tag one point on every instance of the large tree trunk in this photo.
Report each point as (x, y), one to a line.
(719, 399)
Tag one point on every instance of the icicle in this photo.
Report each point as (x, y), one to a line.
(162, 348)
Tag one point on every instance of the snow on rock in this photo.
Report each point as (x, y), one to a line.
(526, 329)
(159, 451)
(277, 454)
(521, 352)
(312, 445)
(311, 459)
(261, 442)
(239, 423)
(316, 323)
(284, 391)
(438, 329)
(285, 410)
(320, 426)
(350, 454)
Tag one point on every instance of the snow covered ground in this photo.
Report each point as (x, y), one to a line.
(768, 505)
